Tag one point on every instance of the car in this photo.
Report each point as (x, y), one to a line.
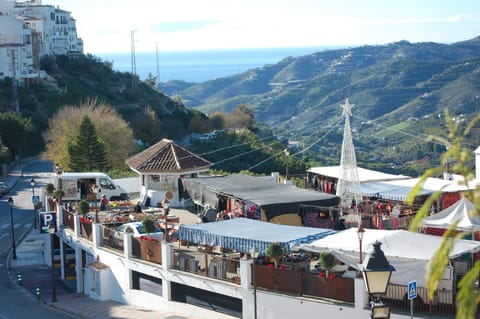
(137, 230)
(4, 189)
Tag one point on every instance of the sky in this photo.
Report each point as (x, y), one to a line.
(187, 25)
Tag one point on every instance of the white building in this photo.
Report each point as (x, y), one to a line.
(40, 30)
(16, 58)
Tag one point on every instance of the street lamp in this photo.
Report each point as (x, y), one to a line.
(96, 190)
(14, 254)
(360, 233)
(51, 230)
(254, 255)
(32, 183)
(287, 154)
(166, 210)
(376, 273)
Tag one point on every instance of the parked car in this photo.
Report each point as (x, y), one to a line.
(137, 230)
(4, 189)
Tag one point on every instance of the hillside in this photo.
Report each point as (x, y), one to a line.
(72, 80)
(402, 82)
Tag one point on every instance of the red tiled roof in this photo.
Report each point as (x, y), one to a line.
(166, 156)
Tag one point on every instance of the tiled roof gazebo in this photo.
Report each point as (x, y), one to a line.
(160, 166)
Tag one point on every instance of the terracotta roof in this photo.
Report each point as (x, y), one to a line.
(166, 156)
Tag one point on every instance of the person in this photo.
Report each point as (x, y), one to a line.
(104, 203)
(138, 208)
(340, 225)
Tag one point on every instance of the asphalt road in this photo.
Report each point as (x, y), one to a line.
(14, 302)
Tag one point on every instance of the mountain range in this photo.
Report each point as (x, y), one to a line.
(399, 86)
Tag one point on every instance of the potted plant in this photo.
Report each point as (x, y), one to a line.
(275, 252)
(327, 261)
(83, 207)
(148, 225)
(49, 189)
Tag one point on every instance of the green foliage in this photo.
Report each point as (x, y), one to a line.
(87, 152)
(49, 189)
(83, 207)
(275, 252)
(15, 132)
(148, 225)
(327, 260)
(455, 140)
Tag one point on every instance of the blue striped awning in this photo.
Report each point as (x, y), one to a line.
(243, 234)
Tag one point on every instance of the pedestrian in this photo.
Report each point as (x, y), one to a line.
(104, 203)
(138, 208)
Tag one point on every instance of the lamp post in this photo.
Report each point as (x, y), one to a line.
(166, 210)
(32, 184)
(96, 190)
(51, 230)
(287, 154)
(14, 250)
(376, 273)
(254, 254)
(360, 233)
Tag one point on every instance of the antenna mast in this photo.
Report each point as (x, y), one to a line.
(158, 67)
(133, 61)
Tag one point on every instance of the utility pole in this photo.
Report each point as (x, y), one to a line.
(16, 106)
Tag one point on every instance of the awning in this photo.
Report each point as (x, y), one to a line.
(243, 234)
(274, 198)
(398, 190)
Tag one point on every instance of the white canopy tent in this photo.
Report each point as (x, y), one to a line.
(462, 212)
(407, 251)
(399, 189)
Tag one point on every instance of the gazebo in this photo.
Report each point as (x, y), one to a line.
(160, 167)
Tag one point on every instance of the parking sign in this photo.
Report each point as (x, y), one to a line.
(412, 289)
(46, 219)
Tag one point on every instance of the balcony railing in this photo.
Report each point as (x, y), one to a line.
(294, 280)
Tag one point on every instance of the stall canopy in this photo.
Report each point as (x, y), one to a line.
(407, 251)
(462, 212)
(364, 175)
(272, 197)
(243, 234)
(398, 190)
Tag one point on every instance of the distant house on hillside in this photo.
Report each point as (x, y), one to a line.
(160, 167)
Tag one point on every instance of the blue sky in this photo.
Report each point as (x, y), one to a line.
(185, 25)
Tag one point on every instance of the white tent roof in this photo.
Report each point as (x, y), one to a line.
(399, 189)
(461, 211)
(364, 174)
(407, 251)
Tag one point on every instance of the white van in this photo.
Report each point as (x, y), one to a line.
(77, 186)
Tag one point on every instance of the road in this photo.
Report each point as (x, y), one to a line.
(16, 303)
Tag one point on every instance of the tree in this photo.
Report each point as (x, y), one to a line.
(111, 129)
(327, 261)
(468, 296)
(87, 152)
(15, 132)
(275, 252)
(242, 116)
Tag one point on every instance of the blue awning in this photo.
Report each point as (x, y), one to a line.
(243, 234)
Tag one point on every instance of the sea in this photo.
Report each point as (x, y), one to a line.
(201, 66)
